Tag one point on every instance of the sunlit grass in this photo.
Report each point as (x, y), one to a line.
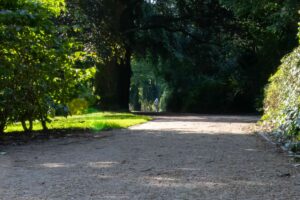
(94, 122)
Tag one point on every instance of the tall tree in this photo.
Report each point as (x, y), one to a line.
(112, 19)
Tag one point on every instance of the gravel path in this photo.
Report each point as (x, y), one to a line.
(170, 158)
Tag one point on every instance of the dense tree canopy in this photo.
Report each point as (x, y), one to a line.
(214, 56)
(217, 54)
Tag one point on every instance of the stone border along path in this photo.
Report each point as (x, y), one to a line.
(172, 157)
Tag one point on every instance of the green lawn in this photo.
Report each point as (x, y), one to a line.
(94, 122)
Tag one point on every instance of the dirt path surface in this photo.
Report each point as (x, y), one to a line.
(170, 158)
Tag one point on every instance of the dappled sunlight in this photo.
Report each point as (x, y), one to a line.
(56, 165)
(206, 127)
(170, 182)
(254, 150)
(100, 164)
(114, 196)
(163, 179)
(99, 176)
(189, 169)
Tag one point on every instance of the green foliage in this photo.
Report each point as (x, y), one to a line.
(282, 101)
(213, 55)
(78, 106)
(216, 54)
(39, 61)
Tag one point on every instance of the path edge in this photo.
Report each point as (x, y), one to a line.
(288, 153)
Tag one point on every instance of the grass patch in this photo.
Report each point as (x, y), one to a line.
(92, 122)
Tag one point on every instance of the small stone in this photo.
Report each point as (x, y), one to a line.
(285, 175)
(123, 162)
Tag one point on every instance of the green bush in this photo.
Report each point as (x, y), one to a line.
(282, 102)
(78, 106)
(38, 62)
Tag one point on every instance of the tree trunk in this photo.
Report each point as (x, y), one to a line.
(113, 83)
(24, 125)
(44, 125)
(2, 127)
(113, 79)
(3, 120)
(124, 81)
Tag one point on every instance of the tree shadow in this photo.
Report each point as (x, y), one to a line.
(214, 120)
(167, 117)
(21, 137)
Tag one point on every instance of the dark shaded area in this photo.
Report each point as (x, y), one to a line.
(22, 138)
(203, 117)
(113, 83)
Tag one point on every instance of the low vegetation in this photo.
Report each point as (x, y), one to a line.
(89, 122)
(282, 102)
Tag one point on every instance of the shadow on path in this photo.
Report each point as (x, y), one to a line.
(172, 157)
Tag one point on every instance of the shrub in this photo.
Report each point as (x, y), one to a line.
(282, 101)
(39, 61)
(78, 106)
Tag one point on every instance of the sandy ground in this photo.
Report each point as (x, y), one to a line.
(170, 158)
